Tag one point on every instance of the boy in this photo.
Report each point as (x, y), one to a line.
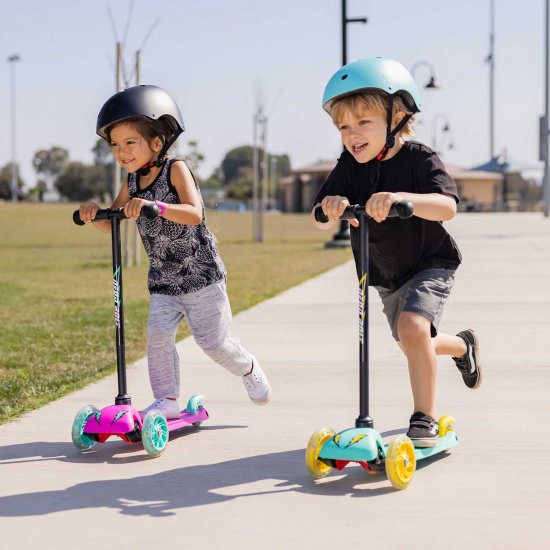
(412, 262)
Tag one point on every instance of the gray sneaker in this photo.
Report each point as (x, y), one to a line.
(257, 384)
(469, 365)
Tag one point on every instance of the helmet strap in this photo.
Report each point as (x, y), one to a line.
(146, 168)
(390, 139)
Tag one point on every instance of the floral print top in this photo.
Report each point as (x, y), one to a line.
(183, 258)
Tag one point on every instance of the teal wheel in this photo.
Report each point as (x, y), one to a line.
(154, 433)
(80, 439)
(194, 404)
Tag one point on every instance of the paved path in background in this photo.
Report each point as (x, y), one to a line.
(240, 481)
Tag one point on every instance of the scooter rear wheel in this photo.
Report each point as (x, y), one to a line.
(316, 467)
(80, 439)
(400, 462)
(154, 434)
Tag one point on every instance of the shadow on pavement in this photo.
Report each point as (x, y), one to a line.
(112, 452)
(164, 493)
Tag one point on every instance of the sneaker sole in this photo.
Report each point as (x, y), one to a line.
(263, 401)
(424, 443)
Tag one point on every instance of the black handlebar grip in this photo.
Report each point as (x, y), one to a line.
(320, 215)
(150, 211)
(403, 210)
(76, 218)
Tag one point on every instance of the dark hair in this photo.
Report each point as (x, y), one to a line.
(149, 129)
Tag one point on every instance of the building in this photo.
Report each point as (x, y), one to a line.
(479, 190)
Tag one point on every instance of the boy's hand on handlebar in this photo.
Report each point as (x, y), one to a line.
(87, 211)
(133, 207)
(334, 206)
(379, 204)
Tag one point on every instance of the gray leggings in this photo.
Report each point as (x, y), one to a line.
(208, 315)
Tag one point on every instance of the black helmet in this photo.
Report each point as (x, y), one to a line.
(142, 101)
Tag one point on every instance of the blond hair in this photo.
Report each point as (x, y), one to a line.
(376, 101)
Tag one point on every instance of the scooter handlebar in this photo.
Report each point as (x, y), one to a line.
(149, 211)
(401, 209)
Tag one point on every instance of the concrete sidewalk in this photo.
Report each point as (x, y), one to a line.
(240, 481)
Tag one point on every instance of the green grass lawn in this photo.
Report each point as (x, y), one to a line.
(56, 313)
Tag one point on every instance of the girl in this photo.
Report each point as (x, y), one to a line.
(186, 274)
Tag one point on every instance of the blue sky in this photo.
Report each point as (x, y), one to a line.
(213, 57)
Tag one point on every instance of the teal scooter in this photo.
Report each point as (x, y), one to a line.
(363, 444)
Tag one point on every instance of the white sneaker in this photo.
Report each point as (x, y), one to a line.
(257, 384)
(168, 407)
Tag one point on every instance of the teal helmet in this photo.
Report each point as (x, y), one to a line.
(373, 73)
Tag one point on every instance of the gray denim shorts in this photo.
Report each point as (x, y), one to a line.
(425, 293)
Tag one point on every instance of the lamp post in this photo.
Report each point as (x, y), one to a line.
(490, 59)
(342, 238)
(432, 82)
(545, 131)
(445, 127)
(12, 59)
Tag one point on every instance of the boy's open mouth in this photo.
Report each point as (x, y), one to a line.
(359, 148)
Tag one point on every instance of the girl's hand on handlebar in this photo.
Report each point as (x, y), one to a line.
(379, 204)
(334, 206)
(87, 211)
(133, 207)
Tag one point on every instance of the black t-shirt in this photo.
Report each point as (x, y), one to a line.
(398, 249)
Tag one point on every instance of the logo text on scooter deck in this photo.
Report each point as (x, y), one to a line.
(116, 293)
(363, 289)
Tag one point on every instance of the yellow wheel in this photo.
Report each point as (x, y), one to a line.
(315, 443)
(400, 462)
(445, 425)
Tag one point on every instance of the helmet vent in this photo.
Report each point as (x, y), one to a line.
(344, 76)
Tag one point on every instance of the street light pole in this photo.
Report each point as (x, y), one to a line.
(342, 238)
(545, 129)
(12, 59)
(445, 128)
(491, 61)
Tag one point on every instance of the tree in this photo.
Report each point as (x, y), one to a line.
(236, 170)
(104, 162)
(194, 156)
(80, 182)
(235, 162)
(50, 163)
(5, 181)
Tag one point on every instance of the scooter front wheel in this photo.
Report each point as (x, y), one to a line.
(154, 434)
(80, 439)
(400, 462)
(316, 467)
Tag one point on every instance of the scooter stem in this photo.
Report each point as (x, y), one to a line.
(363, 420)
(122, 398)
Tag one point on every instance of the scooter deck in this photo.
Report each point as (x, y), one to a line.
(365, 445)
(187, 419)
(443, 444)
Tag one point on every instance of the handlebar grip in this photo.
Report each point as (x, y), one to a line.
(320, 215)
(76, 218)
(149, 211)
(402, 209)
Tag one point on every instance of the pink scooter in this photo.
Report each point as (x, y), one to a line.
(92, 425)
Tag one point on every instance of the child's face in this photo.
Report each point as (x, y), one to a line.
(131, 149)
(363, 133)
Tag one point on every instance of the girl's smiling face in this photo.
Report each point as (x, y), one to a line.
(131, 149)
(363, 133)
